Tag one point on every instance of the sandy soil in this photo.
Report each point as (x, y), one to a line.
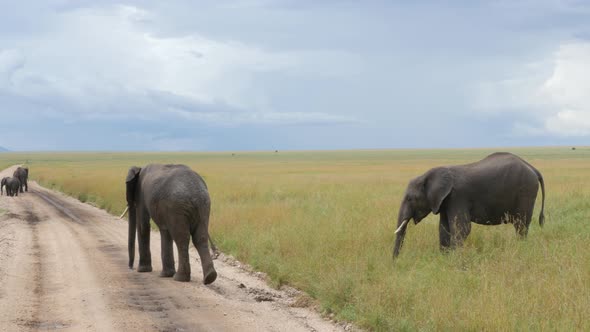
(63, 266)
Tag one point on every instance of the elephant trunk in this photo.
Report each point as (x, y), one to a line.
(132, 230)
(402, 225)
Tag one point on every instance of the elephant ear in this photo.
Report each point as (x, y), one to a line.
(131, 183)
(437, 186)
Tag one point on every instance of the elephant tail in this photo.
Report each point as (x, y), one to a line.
(541, 215)
(540, 179)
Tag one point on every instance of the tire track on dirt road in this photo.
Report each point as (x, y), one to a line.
(135, 294)
(65, 268)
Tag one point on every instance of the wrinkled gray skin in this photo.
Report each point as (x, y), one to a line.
(12, 186)
(500, 188)
(22, 174)
(176, 198)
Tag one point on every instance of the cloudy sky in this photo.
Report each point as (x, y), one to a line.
(260, 75)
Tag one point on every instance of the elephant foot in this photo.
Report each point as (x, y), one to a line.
(184, 277)
(445, 249)
(210, 277)
(167, 273)
(144, 268)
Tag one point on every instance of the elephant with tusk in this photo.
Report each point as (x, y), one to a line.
(501, 188)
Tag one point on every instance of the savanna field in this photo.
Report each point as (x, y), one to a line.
(324, 222)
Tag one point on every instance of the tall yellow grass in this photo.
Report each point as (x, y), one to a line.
(324, 222)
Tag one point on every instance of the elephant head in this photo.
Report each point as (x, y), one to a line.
(130, 193)
(425, 194)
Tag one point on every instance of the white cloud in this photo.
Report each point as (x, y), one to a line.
(555, 93)
(286, 118)
(10, 61)
(569, 123)
(104, 61)
(568, 91)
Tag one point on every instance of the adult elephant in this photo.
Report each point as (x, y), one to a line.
(12, 186)
(500, 188)
(177, 199)
(22, 174)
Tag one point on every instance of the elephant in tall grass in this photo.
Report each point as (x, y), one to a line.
(22, 174)
(501, 188)
(178, 201)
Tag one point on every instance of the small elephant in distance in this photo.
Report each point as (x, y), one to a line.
(22, 174)
(178, 201)
(3, 184)
(501, 188)
(12, 186)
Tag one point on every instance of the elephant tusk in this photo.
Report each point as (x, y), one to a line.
(401, 226)
(124, 212)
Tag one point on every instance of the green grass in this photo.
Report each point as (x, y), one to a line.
(323, 222)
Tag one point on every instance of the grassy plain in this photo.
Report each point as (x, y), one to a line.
(323, 222)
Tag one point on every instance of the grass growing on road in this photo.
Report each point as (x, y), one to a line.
(324, 222)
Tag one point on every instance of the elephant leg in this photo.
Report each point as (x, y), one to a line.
(168, 269)
(521, 224)
(178, 227)
(143, 237)
(26, 186)
(460, 227)
(200, 238)
(184, 266)
(523, 217)
(444, 232)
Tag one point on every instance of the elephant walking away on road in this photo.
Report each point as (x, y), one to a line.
(178, 201)
(22, 174)
(500, 188)
(12, 186)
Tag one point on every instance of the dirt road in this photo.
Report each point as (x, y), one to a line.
(63, 266)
